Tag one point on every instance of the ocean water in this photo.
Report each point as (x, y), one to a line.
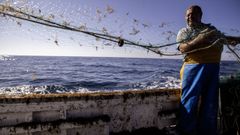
(34, 74)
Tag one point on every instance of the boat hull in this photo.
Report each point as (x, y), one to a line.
(90, 113)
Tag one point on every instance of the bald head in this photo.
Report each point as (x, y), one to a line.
(193, 16)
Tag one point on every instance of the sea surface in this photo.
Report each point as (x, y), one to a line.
(35, 74)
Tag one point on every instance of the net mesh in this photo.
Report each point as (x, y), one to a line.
(92, 18)
(107, 21)
(230, 110)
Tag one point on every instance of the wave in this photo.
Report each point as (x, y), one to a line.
(103, 66)
(162, 83)
(90, 86)
(6, 58)
(46, 89)
(93, 85)
(134, 71)
(46, 80)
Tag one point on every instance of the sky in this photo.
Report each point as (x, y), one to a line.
(143, 21)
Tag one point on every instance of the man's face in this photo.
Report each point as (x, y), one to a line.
(193, 17)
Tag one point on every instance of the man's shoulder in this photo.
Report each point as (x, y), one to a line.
(209, 25)
(189, 29)
(184, 30)
(183, 34)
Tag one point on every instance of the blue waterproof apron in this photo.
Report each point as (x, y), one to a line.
(199, 81)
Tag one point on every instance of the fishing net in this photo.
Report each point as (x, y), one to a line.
(81, 25)
(91, 26)
(230, 105)
(75, 23)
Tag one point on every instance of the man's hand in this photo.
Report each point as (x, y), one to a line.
(232, 40)
(207, 36)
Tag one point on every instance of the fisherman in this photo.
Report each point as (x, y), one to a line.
(202, 45)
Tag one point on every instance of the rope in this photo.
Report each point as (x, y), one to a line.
(15, 13)
(40, 20)
(233, 52)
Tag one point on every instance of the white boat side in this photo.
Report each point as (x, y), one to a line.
(99, 113)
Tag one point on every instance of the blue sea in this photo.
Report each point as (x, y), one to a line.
(44, 74)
